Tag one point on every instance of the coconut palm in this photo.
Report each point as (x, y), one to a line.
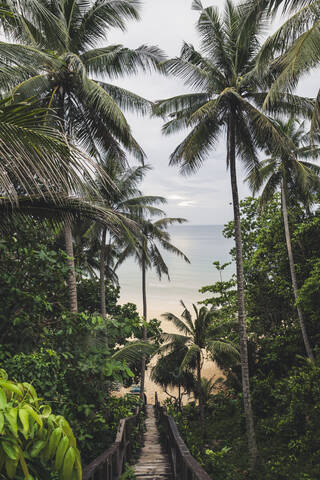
(200, 335)
(148, 255)
(64, 74)
(292, 175)
(228, 94)
(64, 70)
(124, 198)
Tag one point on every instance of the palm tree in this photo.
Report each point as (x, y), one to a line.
(89, 110)
(167, 372)
(228, 95)
(125, 199)
(294, 49)
(294, 176)
(62, 34)
(199, 335)
(148, 255)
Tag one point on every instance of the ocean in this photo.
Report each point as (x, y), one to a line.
(202, 244)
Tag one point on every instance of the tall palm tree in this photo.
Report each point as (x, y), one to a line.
(228, 94)
(89, 110)
(292, 174)
(199, 336)
(155, 237)
(125, 199)
(224, 84)
(65, 68)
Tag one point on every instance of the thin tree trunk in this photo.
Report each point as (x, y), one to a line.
(72, 281)
(145, 333)
(201, 406)
(293, 273)
(103, 310)
(252, 444)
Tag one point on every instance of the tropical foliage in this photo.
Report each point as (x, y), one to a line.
(73, 210)
(63, 61)
(283, 380)
(32, 438)
(290, 172)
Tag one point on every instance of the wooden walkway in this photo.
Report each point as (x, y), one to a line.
(153, 463)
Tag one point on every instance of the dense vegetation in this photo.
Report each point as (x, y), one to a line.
(43, 344)
(285, 385)
(72, 211)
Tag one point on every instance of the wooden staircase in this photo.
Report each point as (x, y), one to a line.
(153, 463)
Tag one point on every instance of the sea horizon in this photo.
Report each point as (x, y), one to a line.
(203, 245)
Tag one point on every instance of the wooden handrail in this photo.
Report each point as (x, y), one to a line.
(184, 465)
(110, 464)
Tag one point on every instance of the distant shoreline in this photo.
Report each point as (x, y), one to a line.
(203, 244)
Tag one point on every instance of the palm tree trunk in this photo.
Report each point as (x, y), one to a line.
(72, 281)
(201, 406)
(145, 333)
(103, 310)
(293, 273)
(252, 444)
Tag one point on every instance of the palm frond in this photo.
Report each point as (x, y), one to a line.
(116, 60)
(134, 351)
(213, 36)
(35, 156)
(190, 356)
(127, 100)
(195, 148)
(218, 347)
(103, 15)
(192, 74)
(187, 102)
(98, 101)
(178, 323)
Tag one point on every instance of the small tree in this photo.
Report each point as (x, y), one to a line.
(198, 336)
(167, 372)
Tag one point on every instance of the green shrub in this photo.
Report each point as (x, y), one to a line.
(32, 439)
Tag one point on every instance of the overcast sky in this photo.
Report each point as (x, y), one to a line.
(203, 198)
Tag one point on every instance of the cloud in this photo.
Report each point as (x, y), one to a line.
(175, 197)
(167, 23)
(187, 203)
